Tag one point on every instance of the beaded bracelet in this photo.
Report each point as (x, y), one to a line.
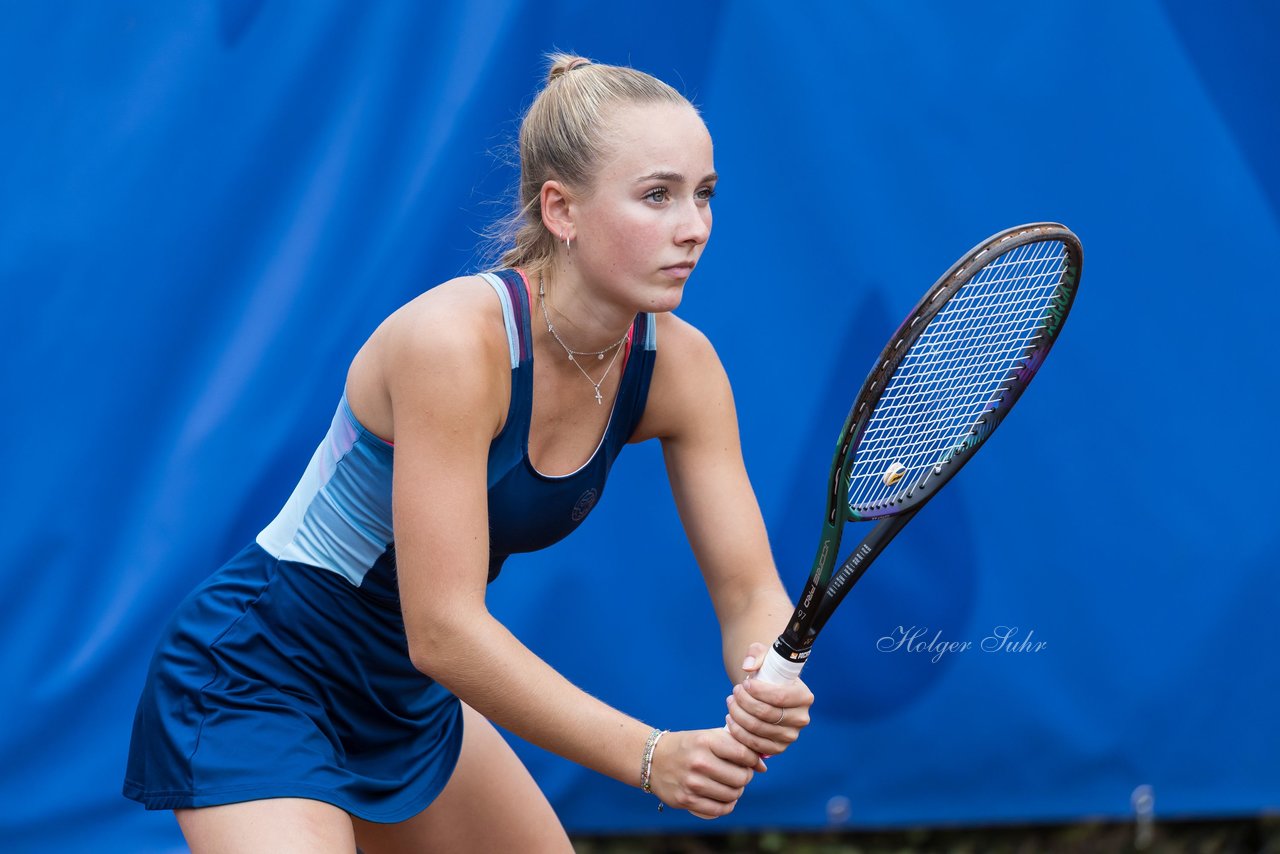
(646, 762)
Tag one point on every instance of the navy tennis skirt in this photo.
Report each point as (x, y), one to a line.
(277, 679)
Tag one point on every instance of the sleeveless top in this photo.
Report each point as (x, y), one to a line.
(339, 515)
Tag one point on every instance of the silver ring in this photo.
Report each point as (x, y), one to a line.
(782, 714)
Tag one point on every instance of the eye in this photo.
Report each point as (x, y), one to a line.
(706, 194)
(658, 194)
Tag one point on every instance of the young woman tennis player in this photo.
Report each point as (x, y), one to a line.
(333, 684)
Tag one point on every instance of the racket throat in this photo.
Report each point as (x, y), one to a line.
(798, 654)
(820, 599)
(857, 563)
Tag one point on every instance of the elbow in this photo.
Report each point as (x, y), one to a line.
(423, 658)
(438, 644)
(432, 655)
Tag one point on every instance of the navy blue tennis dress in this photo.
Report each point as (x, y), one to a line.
(287, 672)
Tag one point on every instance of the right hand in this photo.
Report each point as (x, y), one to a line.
(703, 771)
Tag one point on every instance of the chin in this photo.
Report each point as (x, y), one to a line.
(667, 300)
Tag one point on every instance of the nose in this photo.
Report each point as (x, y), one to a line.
(695, 224)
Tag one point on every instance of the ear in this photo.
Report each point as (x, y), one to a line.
(557, 210)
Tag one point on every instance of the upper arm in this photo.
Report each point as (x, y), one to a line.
(442, 378)
(691, 410)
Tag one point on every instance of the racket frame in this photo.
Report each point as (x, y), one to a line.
(825, 590)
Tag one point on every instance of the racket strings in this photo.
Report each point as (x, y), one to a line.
(956, 370)
(946, 365)
(943, 360)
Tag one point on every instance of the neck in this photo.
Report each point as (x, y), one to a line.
(581, 323)
(577, 356)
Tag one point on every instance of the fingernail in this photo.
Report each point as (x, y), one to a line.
(749, 663)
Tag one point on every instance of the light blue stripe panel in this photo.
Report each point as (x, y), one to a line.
(508, 316)
(339, 516)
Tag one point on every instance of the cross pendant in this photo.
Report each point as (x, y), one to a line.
(599, 399)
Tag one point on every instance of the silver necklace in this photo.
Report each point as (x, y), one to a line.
(616, 347)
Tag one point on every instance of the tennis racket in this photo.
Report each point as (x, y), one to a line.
(942, 385)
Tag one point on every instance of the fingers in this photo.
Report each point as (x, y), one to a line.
(740, 757)
(786, 696)
(768, 718)
(754, 658)
(764, 745)
(703, 771)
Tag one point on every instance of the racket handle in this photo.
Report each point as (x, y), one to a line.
(776, 670)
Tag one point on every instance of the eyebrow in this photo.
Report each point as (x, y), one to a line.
(674, 177)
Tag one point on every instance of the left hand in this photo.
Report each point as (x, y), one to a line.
(766, 718)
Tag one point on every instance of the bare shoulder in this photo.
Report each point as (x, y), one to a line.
(682, 338)
(689, 382)
(462, 310)
(450, 339)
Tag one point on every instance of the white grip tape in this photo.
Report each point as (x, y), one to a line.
(776, 670)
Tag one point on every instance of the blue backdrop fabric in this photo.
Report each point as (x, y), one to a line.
(206, 206)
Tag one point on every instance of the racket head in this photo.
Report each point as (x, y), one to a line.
(952, 371)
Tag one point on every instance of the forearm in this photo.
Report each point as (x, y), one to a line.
(498, 676)
(760, 619)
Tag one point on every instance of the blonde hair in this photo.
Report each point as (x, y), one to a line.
(563, 137)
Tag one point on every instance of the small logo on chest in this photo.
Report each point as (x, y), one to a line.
(585, 502)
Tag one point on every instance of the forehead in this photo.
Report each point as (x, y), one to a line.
(647, 137)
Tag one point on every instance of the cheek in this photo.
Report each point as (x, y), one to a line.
(632, 239)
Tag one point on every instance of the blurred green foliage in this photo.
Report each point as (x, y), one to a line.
(1254, 836)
